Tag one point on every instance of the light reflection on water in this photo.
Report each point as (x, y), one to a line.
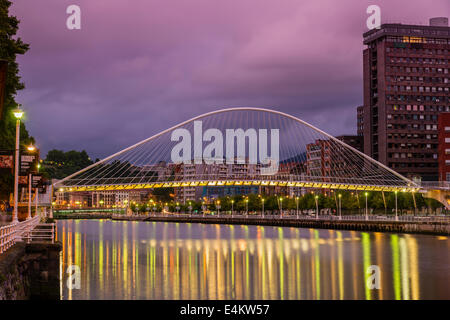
(157, 260)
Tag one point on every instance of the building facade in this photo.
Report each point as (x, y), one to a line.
(406, 86)
(444, 146)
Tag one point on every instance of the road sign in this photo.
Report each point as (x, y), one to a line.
(28, 163)
(36, 181)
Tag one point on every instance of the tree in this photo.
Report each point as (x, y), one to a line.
(59, 164)
(10, 47)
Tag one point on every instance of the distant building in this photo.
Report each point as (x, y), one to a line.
(406, 86)
(444, 146)
(356, 142)
(360, 121)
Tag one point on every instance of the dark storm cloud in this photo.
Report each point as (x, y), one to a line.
(138, 67)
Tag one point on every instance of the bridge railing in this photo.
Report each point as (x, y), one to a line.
(290, 216)
(444, 185)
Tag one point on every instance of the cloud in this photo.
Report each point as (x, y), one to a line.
(138, 67)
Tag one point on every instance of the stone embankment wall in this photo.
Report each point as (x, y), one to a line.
(30, 271)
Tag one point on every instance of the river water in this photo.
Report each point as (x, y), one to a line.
(158, 260)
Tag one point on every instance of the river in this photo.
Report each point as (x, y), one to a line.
(161, 260)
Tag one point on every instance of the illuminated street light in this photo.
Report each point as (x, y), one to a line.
(396, 207)
(262, 200)
(367, 211)
(296, 201)
(18, 113)
(340, 207)
(31, 148)
(281, 206)
(317, 206)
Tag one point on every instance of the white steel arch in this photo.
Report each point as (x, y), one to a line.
(406, 182)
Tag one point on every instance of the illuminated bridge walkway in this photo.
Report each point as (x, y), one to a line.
(243, 147)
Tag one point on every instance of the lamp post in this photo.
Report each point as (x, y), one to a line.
(317, 207)
(18, 113)
(281, 207)
(36, 198)
(340, 207)
(30, 148)
(296, 201)
(246, 207)
(232, 208)
(396, 207)
(367, 210)
(262, 200)
(218, 208)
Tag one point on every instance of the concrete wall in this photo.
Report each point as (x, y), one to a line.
(30, 271)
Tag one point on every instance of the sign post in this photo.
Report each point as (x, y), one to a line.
(29, 196)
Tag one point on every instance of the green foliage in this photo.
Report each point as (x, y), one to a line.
(349, 202)
(10, 47)
(163, 194)
(59, 164)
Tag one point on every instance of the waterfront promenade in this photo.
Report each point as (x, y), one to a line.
(437, 225)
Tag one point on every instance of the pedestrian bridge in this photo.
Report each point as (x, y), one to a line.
(240, 147)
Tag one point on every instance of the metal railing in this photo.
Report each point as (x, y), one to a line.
(7, 237)
(321, 217)
(27, 230)
(42, 232)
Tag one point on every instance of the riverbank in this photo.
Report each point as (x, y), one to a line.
(424, 226)
(30, 271)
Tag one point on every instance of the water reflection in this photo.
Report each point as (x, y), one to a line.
(155, 260)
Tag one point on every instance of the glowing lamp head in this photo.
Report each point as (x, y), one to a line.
(366, 194)
(18, 113)
(31, 148)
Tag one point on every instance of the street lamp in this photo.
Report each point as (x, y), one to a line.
(262, 200)
(396, 215)
(281, 207)
(367, 211)
(218, 207)
(296, 201)
(30, 148)
(18, 113)
(340, 207)
(317, 207)
(246, 206)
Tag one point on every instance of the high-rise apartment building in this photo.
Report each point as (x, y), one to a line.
(406, 86)
(444, 146)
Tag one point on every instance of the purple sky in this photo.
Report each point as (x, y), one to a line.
(137, 67)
